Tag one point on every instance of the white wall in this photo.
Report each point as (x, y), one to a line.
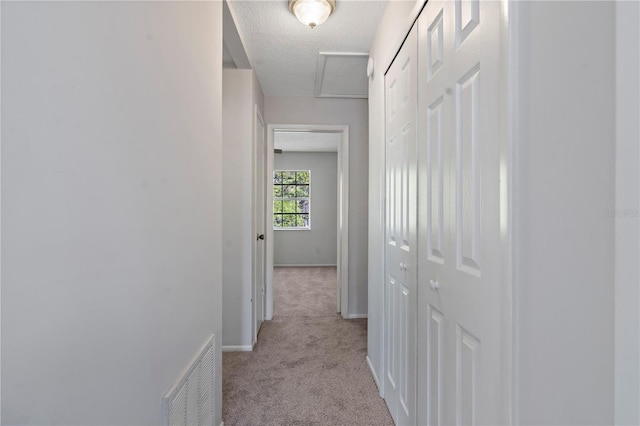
(393, 28)
(317, 246)
(237, 205)
(354, 113)
(240, 94)
(111, 205)
(564, 239)
(627, 249)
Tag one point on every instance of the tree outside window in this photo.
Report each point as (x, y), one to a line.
(291, 199)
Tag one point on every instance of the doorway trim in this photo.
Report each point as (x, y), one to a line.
(342, 211)
(257, 287)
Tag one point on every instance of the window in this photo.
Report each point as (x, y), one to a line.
(291, 202)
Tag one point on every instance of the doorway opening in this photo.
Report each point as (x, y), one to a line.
(336, 140)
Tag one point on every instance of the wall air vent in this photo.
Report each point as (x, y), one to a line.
(191, 400)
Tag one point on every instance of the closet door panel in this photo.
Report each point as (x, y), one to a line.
(401, 234)
(460, 256)
(474, 281)
(436, 114)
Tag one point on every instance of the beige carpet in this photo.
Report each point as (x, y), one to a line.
(309, 366)
(304, 292)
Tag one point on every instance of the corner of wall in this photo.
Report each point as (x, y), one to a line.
(627, 229)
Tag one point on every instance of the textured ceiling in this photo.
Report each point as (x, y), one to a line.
(284, 52)
(307, 141)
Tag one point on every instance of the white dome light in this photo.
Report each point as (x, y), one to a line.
(312, 12)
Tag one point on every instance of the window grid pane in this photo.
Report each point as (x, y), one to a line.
(291, 199)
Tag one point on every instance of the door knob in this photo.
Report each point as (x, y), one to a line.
(434, 284)
(260, 237)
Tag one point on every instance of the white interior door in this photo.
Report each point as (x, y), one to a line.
(460, 292)
(260, 213)
(401, 238)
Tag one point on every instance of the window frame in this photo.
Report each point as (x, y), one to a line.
(294, 199)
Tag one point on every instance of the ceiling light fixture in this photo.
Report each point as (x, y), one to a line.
(312, 12)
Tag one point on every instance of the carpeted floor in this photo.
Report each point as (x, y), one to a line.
(305, 292)
(309, 366)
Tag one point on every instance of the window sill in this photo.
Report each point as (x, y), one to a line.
(292, 229)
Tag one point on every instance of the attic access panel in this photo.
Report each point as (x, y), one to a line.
(342, 75)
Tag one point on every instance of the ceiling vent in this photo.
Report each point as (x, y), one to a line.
(342, 75)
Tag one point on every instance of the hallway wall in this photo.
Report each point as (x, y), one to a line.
(111, 222)
(627, 249)
(354, 113)
(565, 183)
(240, 93)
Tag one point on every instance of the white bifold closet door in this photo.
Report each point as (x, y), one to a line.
(460, 265)
(401, 234)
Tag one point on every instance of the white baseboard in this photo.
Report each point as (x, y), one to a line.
(375, 377)
(301, 266)
(357, 316)
(247, 348)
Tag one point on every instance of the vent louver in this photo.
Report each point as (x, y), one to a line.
(191, 400)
